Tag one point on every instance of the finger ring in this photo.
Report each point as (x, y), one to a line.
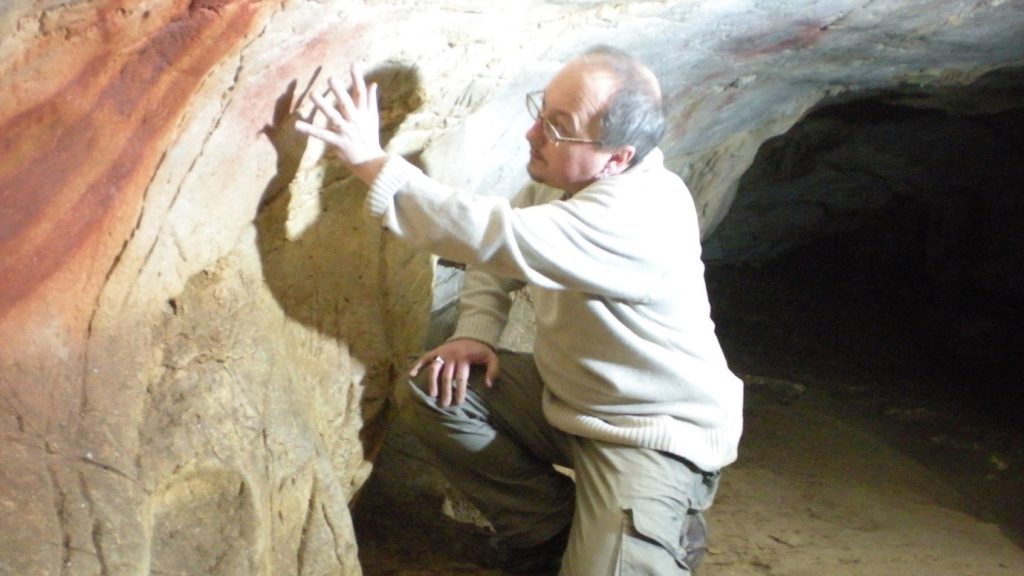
(438, 360)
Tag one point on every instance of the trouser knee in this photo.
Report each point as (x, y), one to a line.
(443, 429)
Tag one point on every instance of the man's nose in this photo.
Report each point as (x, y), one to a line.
(535, 135)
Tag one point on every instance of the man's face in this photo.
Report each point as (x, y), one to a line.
(572, 102)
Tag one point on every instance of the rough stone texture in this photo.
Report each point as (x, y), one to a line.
(198, 339)
(947, 153)
(198, 330)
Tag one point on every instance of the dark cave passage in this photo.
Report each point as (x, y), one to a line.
(876, 250)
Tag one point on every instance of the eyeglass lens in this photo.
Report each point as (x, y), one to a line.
(534, 108)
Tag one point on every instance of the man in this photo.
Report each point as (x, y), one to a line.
(627, 384)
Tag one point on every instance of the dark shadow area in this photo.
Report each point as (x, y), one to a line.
(399, 520)
(330, 273)
(286, 259)
(876, 250)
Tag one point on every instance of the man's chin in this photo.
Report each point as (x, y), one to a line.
(534, 175)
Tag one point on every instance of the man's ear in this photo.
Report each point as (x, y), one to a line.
(619, 161)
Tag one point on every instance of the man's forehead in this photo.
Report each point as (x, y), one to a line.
(578, 90)
(556, 108)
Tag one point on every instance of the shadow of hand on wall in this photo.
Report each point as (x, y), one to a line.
(331, 268)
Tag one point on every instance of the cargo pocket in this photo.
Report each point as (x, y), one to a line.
(652, 541)
(695, 540)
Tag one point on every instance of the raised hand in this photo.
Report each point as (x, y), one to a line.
(353, 125)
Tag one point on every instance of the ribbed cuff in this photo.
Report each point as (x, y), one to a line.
(395, 173)
(481, 328)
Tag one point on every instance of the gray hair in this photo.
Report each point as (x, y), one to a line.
(634, 114)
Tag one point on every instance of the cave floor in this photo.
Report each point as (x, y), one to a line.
(855, 459)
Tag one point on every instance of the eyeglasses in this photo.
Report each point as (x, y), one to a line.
(534, 108)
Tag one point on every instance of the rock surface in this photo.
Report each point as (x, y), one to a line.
(198, 330)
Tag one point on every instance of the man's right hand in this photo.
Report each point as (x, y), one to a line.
(448, 368)
(353, 125)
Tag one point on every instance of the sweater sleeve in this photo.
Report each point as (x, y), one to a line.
(485, 299)
(484, 304)
(599, 242)
(395, 173)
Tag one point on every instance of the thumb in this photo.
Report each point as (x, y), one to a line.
(493, 368)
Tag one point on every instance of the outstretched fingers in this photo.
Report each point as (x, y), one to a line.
(345, 104)
(358, 91)
(317, 132)
(333, 116)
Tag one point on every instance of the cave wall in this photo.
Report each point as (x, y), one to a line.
(198, 330)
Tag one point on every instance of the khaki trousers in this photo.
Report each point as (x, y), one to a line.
(634, 511)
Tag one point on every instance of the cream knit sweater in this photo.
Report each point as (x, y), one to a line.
(625, 342)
